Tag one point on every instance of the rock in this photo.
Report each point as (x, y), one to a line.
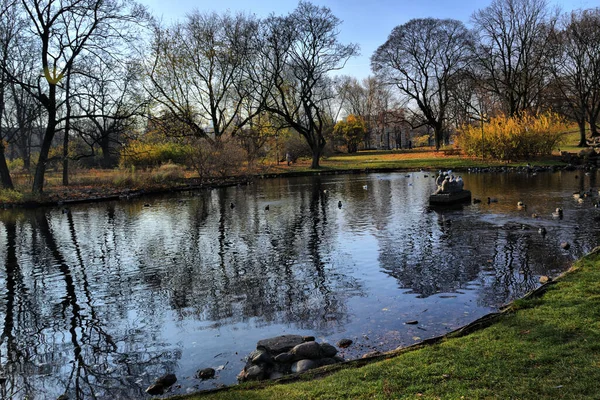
(328, 350)
(339, 359)
(565, 246)
(155, 389)
(284, 358)
(343, 343)
(372, 354)
(279, 344)
(205, 373)
(411, 322)
(310, 350)
(62, 397)
(327, 361)
(545, 279)
(166, 380)
(262, 357)
(254, 373)
(308, 338)
(304, 365)
(275, 375)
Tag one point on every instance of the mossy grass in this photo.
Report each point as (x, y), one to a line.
(542, 347)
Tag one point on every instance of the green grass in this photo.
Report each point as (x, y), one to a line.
(543, 348)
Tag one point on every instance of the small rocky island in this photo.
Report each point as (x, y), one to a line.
(450, 190)
(286, 354)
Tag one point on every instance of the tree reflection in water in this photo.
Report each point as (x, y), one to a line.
(99, 301)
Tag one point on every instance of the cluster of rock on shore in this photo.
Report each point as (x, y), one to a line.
(272, 359)
(287, 354)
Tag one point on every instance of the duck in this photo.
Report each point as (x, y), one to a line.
(365, 187)
(267, 207)
(340, 204)
(476, 200)
(542, 231)
(521, 205)
(558, 213)
(231, 205)
(492, 200)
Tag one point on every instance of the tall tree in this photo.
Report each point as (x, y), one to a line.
(512, 51)
(10, 24)
(424, 59)
(576, 67)
(61, 32)
(199, 71)
(298, 52)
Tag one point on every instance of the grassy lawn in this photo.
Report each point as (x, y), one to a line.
(544, 347)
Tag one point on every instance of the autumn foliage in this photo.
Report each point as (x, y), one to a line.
(352, 130)
(510, 138)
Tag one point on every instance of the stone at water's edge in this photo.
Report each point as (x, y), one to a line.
(284, 358)
(304, 365)
(343, 343)
(280, 344)
(205, 373)
(310, 350)
(161, 384)
(328, 350)
(262, 357)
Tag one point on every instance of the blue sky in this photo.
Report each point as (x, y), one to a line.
(366, 22)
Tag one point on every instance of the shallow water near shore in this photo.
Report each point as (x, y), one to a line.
(99, 300)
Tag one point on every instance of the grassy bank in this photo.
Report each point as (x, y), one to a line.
(543, 347)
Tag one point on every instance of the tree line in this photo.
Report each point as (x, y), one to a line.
(83, 79)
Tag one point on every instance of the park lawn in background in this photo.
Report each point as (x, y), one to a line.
(544, 347)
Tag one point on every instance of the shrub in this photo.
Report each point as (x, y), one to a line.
(141, 154)
(222, 157)
(517, 137)
(168, 173)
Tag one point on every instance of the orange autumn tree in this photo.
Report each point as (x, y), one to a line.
(352, 130)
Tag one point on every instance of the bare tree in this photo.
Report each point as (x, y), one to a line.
(424, 59)
(199, 72)
(576, 67)
(512, 51)
(298, 52)
(108, 104)
(10, 24)
(61, 31)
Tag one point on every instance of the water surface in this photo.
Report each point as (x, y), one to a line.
(98, 300)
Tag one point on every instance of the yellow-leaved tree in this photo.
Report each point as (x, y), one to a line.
(509, 138)
(352, 130)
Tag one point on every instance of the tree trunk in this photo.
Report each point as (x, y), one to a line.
(594, 126)
(107, 161)
(437, 136)
(582, 141)
(317, 149)
(65, 172)
(40, 170)
(5, 178)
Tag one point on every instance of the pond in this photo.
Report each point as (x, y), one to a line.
(99, 300)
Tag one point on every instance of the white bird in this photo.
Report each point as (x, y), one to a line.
(365, 187)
